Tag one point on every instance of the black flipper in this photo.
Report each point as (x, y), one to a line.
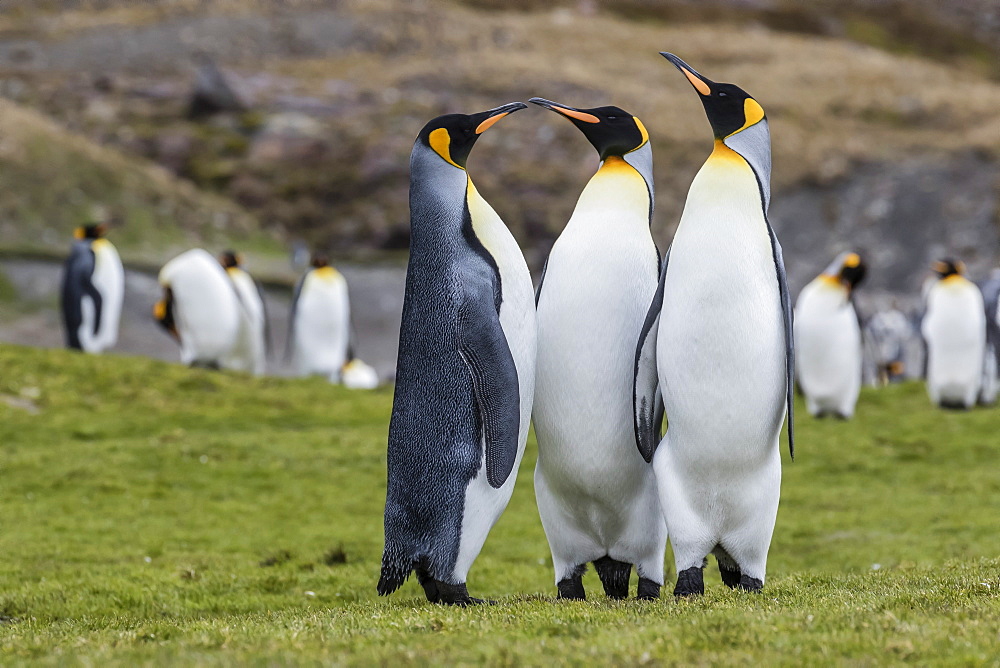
(787, 315)
(484, 348)
(647, 400)
(291, 317)
(541, 279)
(77, 284)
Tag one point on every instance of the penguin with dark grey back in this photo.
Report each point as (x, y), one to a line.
(465, 371)
(596, 496)
(93, 289)
(718, 338)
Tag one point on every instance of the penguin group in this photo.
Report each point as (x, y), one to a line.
(215, 310)
(616, 337)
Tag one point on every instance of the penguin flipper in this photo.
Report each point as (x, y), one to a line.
(495, 387)
(77, 284)
(787, 315)
(647, 400)
(541, 279)
(290, 340)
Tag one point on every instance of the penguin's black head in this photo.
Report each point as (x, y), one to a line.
(230, 259)
(852, 269)
(319, 260)
(729, 108)
(92, 231)
(612, 130)
(452, 136)
(948, 267)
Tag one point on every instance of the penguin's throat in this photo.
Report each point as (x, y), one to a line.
(722, 153)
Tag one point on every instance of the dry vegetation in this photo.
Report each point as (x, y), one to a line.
(832, 102)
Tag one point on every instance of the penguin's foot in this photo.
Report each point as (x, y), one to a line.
(728, 568)
(571, 588)
(748, 583)
(648, 590)
(451, 594)
(730, 578)
(614, 576)
(690, 582)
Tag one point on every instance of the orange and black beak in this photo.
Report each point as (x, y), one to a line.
(486, 119)
(703, 85)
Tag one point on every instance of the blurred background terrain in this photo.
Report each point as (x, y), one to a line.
(268, 125)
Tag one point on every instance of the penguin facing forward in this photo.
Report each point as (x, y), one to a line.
(465, 371)
(828, 339)
(200, 309)
(320, 324)
(250, 352)
(954, 331)
(596, 495)
(93, 288)
(719, 337)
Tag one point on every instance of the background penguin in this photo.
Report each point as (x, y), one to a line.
(320, 324)
(465, 373)
(358, 375)
(93, 287)
(596, 496)
(890, 339)
(719, 334)
(991, 359)
(828, 343)
(954, 329)
(199, 308)
(250, 352)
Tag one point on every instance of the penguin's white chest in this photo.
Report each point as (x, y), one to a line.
(109, 279)
(720, 344)
(322, 323)
(954, 327)
(827, 345)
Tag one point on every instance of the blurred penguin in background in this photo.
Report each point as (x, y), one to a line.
(888, 337)
(201, 310)
(93, 287)
(250, 352)
(954, 331)
(358, 375)
(319, 326)
(991, 359)
(828, 339)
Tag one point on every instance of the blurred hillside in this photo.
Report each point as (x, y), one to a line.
(885, 115)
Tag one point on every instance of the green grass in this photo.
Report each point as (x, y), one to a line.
(151, 514)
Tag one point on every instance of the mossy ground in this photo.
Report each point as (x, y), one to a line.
(152, 514)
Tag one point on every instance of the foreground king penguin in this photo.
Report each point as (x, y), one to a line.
(718, 338)
(828, 339)
(93, 288)
(954, 331)
(596, 496)
(465, 371)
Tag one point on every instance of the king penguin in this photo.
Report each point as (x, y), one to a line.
(93, 288)
(718, 337)
(200, 309)
(596, 496)
(465, 374)
(954, 330)
(250, 351)
(320, 324)
(828, 339)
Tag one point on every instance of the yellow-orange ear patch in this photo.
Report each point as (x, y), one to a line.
(578, 115)
(488, 123)
(440, 141)
(852, 260)
(78, 233)
(160, 310)
(642, 131)
(698, 84)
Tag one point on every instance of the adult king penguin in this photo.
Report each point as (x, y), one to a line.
(320, 325)
(250, 351)
(954, 329)
(465, 375)
(93, 288)
(200, 308)
(596, 496)
(718, 336)
(828, 339)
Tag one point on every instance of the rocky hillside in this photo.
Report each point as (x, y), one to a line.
(883, 139)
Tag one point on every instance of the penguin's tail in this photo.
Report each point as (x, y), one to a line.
(396, 568)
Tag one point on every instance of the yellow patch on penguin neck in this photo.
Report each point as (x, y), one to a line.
(723, 154)
(327, 273)
(440, 141)
(954, 279)
(614, 165)
(831, 281)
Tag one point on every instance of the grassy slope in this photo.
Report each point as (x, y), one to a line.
(53, 180)
(156, 514)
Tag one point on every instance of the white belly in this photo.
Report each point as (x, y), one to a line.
(249, 353)
(483, 503)
(828, 348)
(599, 281)
(206, 310)
(109, 279)
(954, 327)
(322, 324)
